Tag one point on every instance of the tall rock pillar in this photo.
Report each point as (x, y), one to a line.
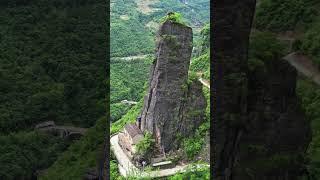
(163, 104)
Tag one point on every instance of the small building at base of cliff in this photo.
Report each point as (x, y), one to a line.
(131, 136)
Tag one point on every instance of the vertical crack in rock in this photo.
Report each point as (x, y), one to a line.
(165, 109)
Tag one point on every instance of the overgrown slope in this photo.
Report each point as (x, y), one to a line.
(80, 156)
(52, 68)
(301, 17)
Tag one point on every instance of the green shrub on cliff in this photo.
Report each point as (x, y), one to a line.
(146, 144)
(190, 173)
(173, 17)
(201, 63)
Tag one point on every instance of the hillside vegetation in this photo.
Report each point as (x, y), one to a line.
(52, 64)
(52, 68)
(133, 33)
(133, 30)
(301, 17)
(81, 156)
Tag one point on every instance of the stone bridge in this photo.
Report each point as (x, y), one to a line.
(65, 132)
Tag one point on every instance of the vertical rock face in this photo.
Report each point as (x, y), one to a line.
(232, 25)
(260, 130)
(277, 133)
(164, 110)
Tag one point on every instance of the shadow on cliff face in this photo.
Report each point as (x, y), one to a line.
(260, 129)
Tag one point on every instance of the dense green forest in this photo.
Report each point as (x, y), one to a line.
(134, 22)
(302, 18)
(127, 82)
(24, 153)
(128, 78)
(52, 68)
(81, 156)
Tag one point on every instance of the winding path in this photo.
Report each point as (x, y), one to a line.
(130, 58)
(129, 102)
(126, 167)
(304, 65)
(205, 82)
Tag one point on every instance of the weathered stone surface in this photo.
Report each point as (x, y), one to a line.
(193, 110)
(232, 24)
(168, 99)
(260, 131)
(277, 133)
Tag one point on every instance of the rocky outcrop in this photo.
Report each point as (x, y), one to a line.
(260, 131)
(172, 107)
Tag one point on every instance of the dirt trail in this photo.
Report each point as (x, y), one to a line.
(129, 58)
(127, 168)
(205, 82)
(304, 65)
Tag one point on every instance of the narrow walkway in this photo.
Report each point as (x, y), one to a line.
(130, 58)
(205, 82)
(72, 129)
(123, 160)
(304, 65)
(129, 102)
(126, 167)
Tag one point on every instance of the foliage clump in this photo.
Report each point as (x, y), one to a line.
(202, 64)
(309, 93)
(173, 17)
(265, 46)
(193, 172)
(205, 37)
(117, 110)
(311, 43)
(146, 144)
(281, 15)
(192, 146)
